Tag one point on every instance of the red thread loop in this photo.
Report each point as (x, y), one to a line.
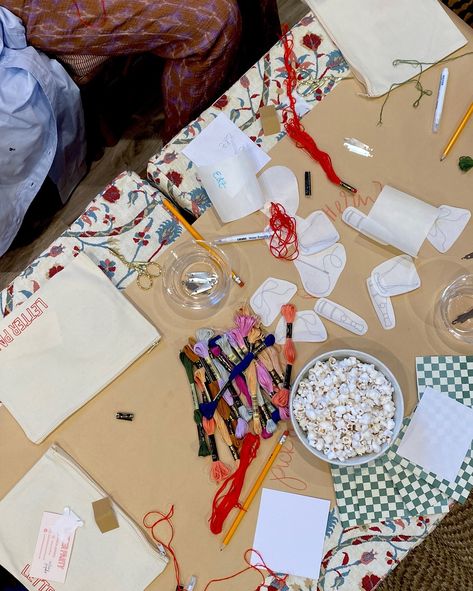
(293, 125)
(168, 546)
(283, 243)
(223, 502)
(255, 567)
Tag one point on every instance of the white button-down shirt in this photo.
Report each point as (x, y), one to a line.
(41, 127)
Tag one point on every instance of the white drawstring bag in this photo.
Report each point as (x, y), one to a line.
(67, 342)
(122, 559)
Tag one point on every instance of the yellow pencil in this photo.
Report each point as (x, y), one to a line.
(193, 232)
(255, 489)
(458, 131)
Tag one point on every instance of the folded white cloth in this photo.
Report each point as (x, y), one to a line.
(66, 343)
(123, 559)
(371, 34)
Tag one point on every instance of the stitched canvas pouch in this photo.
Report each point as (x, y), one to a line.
(122, 559)
(371, 34)
(72, 338)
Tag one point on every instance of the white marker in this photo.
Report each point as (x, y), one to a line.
(244, 237)
(440, 99)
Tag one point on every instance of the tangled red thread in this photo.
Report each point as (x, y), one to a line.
(283, 243)
(257, 567)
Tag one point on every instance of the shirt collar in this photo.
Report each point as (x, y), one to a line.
(12, 31)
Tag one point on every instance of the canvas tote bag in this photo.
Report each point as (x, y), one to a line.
(67, 342)
(122, 559)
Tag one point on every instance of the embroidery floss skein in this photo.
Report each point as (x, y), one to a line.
(207, 409)
(252, 387)
(189, 368)
(218, 471)
(294, 128)
(288, 311)
(265, 359)
(224, 502)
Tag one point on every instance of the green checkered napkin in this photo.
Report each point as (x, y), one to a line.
(419, 496)
(452, 375)
(366, 493)
(391, 486)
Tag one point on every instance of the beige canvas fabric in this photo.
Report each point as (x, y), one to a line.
(122, 559)
(72, 338)
(371, 34)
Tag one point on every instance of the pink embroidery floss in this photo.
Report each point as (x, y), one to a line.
(288, 312)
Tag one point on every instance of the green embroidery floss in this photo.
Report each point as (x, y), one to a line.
(465, 163)
(416, 80)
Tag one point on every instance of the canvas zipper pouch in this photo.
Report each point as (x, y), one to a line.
(372, 34)
(122, 559)
(68, 341)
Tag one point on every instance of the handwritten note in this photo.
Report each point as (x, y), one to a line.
(222, 139)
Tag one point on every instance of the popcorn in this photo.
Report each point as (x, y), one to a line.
(345, 407)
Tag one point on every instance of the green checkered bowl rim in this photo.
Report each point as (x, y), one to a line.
(398, 400)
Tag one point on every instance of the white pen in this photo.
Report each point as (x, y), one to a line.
(243, 237)
(440, 99)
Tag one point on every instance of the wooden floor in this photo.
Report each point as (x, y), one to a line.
(139, 142)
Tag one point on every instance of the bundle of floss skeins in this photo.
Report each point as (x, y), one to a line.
(281, 398)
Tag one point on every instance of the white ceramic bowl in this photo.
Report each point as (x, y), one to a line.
(397, 399)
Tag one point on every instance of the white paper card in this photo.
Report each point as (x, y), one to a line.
(396, 218)
(54, 545)
(439, 434)
(448, 227)
(320, 272)
(405, 217)
(279, 184)
(395, 276)
(307, 328)
(232, 186)
(357, 220)
(341, 316)
(315, 233)
(221, 139)
(383, 306)
(270, 296)
(290, 532)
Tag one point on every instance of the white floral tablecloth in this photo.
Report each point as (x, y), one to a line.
(128, 216)
(263, 84)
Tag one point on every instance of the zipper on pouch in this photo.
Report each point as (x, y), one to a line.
(158, 549)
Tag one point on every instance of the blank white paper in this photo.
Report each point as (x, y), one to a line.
(439, 434)
(290, 533)
(222, 139)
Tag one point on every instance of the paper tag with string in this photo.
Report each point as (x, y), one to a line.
(54, 545)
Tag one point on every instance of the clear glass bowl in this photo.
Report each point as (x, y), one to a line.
(196, 275)
(456, 299)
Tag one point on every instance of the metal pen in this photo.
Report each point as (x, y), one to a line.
(244, 237)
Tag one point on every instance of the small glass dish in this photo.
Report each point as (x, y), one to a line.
(196, 275)
(457, 300)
